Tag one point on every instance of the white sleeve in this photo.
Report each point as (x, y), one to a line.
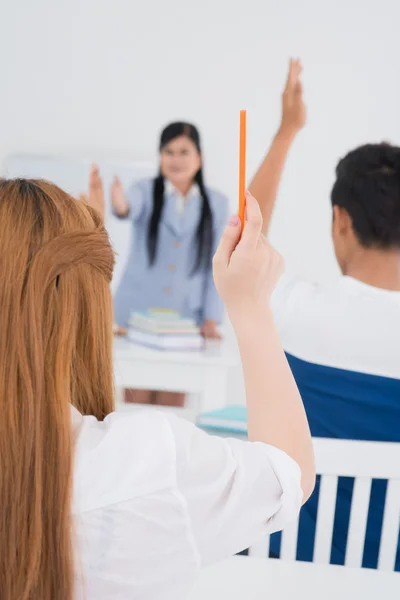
(235, 491)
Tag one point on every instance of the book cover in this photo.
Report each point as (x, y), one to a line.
(162, 322)
(230, 418)
(180, 342)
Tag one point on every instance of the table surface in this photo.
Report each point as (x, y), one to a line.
(243, 578)
(215, 353)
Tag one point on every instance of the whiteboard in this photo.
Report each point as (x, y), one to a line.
(72, 175)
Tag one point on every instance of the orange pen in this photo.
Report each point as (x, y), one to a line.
(242, 167)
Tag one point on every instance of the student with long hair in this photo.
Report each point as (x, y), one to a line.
(98, 505)
(177, 221)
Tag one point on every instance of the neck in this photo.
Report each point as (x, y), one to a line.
(378, 268)
(183, 188)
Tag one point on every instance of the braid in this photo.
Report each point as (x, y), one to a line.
(154, 223)
(204, 234)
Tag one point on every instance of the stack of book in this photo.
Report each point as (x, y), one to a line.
(165, 330)
(231, 419)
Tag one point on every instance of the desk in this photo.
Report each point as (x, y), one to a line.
(242, 578)
(204, 373)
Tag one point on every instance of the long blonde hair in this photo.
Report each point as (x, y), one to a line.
(55, 350)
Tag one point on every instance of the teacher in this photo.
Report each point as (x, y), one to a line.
(177, 222)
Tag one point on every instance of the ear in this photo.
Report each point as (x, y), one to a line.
(342, 223)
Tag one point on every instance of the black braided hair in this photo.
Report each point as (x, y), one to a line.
(204, 233)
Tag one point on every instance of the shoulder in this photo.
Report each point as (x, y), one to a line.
(292, 290)
(344, 324)
(122, 457)
(140, 195)
(293, 295)
(300, 308)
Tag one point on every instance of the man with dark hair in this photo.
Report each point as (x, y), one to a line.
(343, 340)
(366, 202)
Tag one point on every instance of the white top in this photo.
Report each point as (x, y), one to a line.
(155, 498)
(180, 198)
(348, 324)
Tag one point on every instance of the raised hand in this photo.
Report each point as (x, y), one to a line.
(118, 200)
(246, 270)
(95, 197)
(294, 112)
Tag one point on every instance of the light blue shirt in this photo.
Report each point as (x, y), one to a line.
(170, 282)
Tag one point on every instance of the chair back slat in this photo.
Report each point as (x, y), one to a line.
(289, 541)
(390, 528)
(325, 518)
(358, 522)
(261, 548)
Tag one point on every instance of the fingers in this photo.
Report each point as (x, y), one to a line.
(211, 333)
(229, 241)
(95, 179)
(94, 170)
(120, 331)
(298, 67)
(289, 75)
(253, 226)
(215, 335)
(298, 89)
(295, 69)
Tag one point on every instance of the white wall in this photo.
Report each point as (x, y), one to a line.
(105, 75)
